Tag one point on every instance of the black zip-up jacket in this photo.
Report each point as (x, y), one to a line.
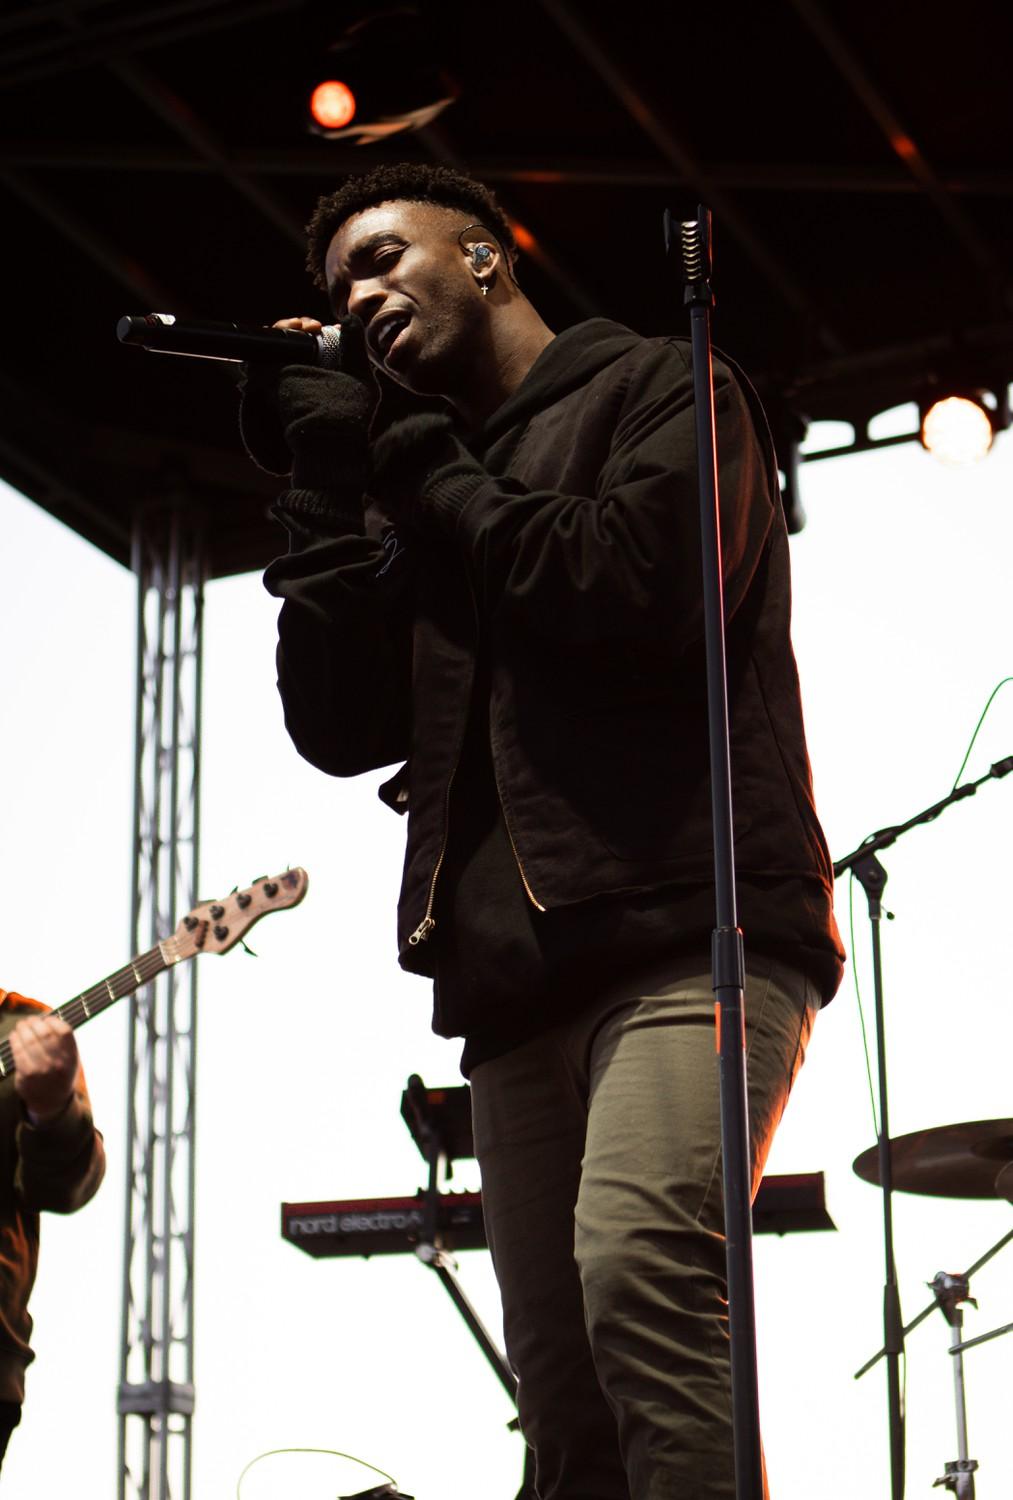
(567, 540)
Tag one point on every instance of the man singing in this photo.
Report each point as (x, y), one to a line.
(500, 592)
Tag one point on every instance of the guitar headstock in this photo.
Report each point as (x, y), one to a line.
(216, 926)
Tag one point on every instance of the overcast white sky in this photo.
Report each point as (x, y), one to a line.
(902, 628)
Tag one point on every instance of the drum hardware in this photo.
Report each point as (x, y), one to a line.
(872, 877)
(379, 1492)
(970, 1160)
(950, 1292)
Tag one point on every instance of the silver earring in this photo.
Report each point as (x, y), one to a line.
(485, 288)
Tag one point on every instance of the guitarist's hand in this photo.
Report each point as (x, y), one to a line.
(46, 1059)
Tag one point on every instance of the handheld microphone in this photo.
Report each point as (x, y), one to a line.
(165, 334)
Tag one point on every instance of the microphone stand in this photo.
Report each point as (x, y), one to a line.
(872, 876)
(727, 957)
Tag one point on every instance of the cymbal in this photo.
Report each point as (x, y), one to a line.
(949, 1161)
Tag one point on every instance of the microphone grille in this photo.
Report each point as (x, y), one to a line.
(329, 347)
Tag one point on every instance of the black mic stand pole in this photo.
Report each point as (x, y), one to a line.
(728, 961)
(871, 875)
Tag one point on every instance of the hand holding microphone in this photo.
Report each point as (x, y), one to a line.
(307, 391)
(311, 419)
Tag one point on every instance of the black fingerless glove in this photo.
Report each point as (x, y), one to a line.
(310, 421)
(260, 426)
(421, 470)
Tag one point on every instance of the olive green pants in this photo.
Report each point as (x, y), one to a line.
(599, 1145)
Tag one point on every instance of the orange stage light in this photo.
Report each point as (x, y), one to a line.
(523, 238)
(332, 104)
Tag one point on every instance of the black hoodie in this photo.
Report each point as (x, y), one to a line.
(549, 603)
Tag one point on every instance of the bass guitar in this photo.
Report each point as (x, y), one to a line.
(212, 927)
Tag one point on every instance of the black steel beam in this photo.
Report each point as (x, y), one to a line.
(318, 161)
(727, 216)
(129, 273)
(73, 50)
(904, 147)
(169, 108)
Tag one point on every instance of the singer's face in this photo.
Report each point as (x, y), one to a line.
(401, 269)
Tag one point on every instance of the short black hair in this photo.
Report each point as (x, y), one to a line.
(415, 182)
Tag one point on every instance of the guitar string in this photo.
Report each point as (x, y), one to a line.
(108, 990)
(96, 999)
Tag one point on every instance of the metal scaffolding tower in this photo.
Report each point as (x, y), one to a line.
(156, 1391)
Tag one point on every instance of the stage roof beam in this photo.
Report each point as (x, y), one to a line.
(901, 142)
(129, 273)
(729, 217)
(311, 162)
(180, 118)
(102, 44)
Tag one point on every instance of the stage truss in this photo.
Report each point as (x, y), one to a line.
(155, 1398)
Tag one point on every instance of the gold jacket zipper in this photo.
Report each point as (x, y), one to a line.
(428, 922)
(506, 824)
(520, 868)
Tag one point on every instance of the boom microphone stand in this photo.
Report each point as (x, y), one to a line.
(727, 957)
(869, 871)
(871, 875)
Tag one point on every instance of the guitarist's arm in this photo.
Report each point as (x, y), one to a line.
(60, 1156)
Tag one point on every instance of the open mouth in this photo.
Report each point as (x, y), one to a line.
(384, 333)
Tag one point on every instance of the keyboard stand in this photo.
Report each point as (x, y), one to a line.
(440, 1124)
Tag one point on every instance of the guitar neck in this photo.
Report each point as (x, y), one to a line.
(139, 971)
(212, 927)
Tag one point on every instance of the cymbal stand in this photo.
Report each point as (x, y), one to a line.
(872, 876)
(950, 1292)
(930, 1308)
(947, 1289)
